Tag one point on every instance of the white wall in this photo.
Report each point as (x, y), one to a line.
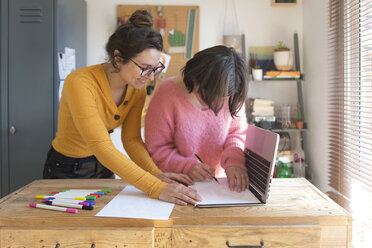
(315, 18)
(263, 25)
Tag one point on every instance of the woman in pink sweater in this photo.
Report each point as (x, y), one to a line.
(201, 112)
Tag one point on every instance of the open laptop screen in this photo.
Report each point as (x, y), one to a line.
(261, 147)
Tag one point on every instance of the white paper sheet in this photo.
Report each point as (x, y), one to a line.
(213, 193)
(70, 58)
(133, 203)
(61, 83)
(66, 62)
(165, 59)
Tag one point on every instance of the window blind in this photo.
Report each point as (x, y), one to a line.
(350, 112)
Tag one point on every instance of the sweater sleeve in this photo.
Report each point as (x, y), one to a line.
(131, 137)
(81, 100)
(233, 150)
(159, 134)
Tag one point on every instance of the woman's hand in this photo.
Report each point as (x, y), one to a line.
(201, 172)
(179, 194)
(170, 177)
(238, 175)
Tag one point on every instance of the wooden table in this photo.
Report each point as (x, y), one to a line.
(297, 215)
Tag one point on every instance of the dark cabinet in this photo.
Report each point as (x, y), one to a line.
(32, 34)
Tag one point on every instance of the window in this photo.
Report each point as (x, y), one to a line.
(350, 112)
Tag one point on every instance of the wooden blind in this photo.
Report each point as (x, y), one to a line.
(350, 112)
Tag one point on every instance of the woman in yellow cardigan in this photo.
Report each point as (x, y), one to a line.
(97, 99)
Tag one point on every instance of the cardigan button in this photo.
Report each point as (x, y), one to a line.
(110, 131)
(125, 102)
(117, 117)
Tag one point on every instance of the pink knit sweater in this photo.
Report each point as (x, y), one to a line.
(175, 129)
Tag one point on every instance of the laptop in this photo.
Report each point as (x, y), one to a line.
(260, 151)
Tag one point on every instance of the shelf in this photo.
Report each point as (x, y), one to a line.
(279, 130)
(279, 79)
(282, 79)
(274, 80)
(286, 78)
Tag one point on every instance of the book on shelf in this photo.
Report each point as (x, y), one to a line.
(268, 118)
(262, 102)
(261, 107)
(282, 75)
(263, 112)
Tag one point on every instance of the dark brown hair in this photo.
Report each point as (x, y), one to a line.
(219, 72)
(133, 37)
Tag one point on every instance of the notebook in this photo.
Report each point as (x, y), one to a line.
(261, 147)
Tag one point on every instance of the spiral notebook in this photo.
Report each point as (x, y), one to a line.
(260, 151)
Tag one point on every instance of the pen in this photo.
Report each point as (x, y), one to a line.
(201, 161)
(69, 210)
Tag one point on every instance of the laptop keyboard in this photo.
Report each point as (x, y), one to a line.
(258, 169)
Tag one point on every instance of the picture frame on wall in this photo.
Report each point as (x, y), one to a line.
(283, 3)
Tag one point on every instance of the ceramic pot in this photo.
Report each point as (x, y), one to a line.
(283, 60)
(234, 41)
(299, 124)
(257, 74)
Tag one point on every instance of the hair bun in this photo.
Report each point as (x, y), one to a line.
(141, 18)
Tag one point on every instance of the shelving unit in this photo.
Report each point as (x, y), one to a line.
(299, 82)
(292, 131)
(299, 86)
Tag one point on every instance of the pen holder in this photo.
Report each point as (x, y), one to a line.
(285, 112)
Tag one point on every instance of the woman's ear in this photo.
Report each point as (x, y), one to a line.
(117, 56)
(196, 88)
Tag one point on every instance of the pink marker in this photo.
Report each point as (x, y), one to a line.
(69, 210)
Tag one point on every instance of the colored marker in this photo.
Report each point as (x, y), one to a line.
(90, 202)
(85, 191)
(70, 205)
(74, 193)
(69, 210)
(60, 197)
(71, 200)
(74, 196)
(103, 190)
(97, 194)
(67, 201)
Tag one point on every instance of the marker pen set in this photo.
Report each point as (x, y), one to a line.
(70, 200)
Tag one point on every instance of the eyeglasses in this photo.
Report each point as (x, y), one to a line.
(146, 71)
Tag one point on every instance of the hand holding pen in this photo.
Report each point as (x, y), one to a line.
(202, 171)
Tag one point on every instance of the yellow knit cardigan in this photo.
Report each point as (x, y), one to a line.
(88, 112)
